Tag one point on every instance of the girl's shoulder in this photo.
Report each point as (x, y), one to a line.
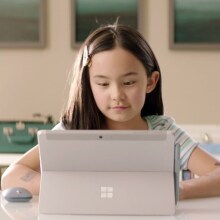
(160, 122)
(59, 126)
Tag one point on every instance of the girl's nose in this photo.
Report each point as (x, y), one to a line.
(117, 93)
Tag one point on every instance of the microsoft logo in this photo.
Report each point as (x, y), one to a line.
(106, 192)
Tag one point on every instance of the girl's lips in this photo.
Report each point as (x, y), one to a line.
(119, 107)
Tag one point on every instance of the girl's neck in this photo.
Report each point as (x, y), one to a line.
(140, 124)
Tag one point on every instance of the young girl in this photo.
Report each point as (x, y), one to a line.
(116, 84)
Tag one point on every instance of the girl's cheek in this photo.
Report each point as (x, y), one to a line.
(138, 95)
(100, 96)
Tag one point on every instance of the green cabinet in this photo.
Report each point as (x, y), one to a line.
(20, 136)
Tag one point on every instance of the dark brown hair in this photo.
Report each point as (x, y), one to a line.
(81, 111)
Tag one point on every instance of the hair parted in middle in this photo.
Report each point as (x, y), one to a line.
(81, 111)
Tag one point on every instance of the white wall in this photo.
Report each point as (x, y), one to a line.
(34, 80)
(191, 78)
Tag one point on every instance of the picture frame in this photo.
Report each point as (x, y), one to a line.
(87, 15)
(193, 24)
(22, 23)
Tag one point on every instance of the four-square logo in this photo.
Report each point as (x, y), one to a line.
(106, 192)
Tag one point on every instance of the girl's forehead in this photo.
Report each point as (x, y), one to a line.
(116, 62)
(118, 57)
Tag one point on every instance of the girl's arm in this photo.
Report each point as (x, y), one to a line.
(208, 183)
(25, 172)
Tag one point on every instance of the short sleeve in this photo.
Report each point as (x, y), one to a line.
(186, 142)
(187, 145)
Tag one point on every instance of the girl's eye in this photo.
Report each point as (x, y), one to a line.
(128, 83)
(103, 84)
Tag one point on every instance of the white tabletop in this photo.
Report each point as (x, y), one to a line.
(195, 209)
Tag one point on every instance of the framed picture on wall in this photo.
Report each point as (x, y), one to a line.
(22, 23)
(195, 24)
(87, 15)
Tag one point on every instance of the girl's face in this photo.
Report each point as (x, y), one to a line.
(119, 84)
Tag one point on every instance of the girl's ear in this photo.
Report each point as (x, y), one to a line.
(152, 81)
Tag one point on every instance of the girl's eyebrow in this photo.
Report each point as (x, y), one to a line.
(125, 75)
(100, 76)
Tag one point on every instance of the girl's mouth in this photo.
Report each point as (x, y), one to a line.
(119, 107)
